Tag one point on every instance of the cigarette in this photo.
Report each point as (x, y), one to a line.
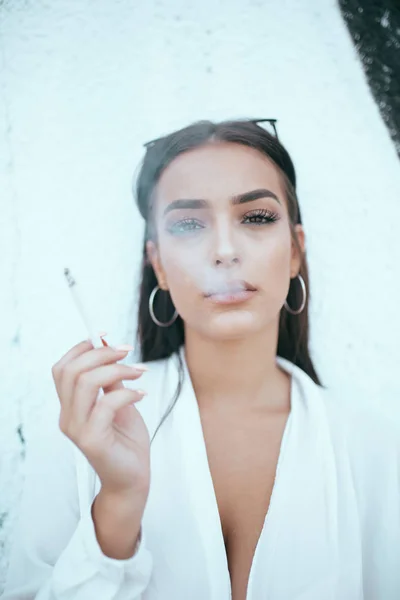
(95, 338)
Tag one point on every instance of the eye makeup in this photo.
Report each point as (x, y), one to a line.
(260, 216)
(257, 217)
(185, 225)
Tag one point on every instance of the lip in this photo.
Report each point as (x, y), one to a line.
(233, 292)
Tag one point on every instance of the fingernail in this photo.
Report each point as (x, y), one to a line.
(124, 347)
(103, 333)
(138, 367)
(141, 394)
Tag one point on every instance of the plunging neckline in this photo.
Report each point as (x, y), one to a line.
(203, 496)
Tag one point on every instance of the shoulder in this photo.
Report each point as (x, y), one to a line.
(367, 440)
(366, 447)
(362, 434)
(362, 423)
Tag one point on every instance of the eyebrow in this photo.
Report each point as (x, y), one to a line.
(239, 199)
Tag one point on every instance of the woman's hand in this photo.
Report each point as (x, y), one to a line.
(108, 429)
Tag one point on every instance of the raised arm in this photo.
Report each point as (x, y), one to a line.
(61, 551)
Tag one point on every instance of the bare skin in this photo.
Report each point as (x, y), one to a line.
(243, 448)
(243, 396)
(227, 262)
(112, 435)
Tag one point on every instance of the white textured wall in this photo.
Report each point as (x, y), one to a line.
(85, 83)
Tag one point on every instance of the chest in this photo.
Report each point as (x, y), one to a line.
(243, 452)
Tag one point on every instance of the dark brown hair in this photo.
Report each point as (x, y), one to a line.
(158, 342)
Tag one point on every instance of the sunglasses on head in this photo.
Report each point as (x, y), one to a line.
(268, 124)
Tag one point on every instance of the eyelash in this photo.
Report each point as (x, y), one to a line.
(262, 216)
(185, 225)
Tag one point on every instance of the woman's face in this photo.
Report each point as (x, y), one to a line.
(223, 244)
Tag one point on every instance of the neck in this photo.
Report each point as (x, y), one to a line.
(239, 373)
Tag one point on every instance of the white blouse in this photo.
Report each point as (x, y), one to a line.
(332, 531)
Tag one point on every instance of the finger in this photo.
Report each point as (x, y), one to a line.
(118, 385)
(105, 411)
(86, 361)
(87, 388)
(73, 353)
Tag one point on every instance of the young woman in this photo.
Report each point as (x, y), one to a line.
(237, 475)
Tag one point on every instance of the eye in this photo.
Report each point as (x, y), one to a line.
(185, 225)
(260, 216)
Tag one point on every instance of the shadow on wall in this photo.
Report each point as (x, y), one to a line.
(374, 26)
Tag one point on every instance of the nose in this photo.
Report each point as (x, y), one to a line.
(226, 253)
(226, 261)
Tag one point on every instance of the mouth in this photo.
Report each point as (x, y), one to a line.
(231, 292)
